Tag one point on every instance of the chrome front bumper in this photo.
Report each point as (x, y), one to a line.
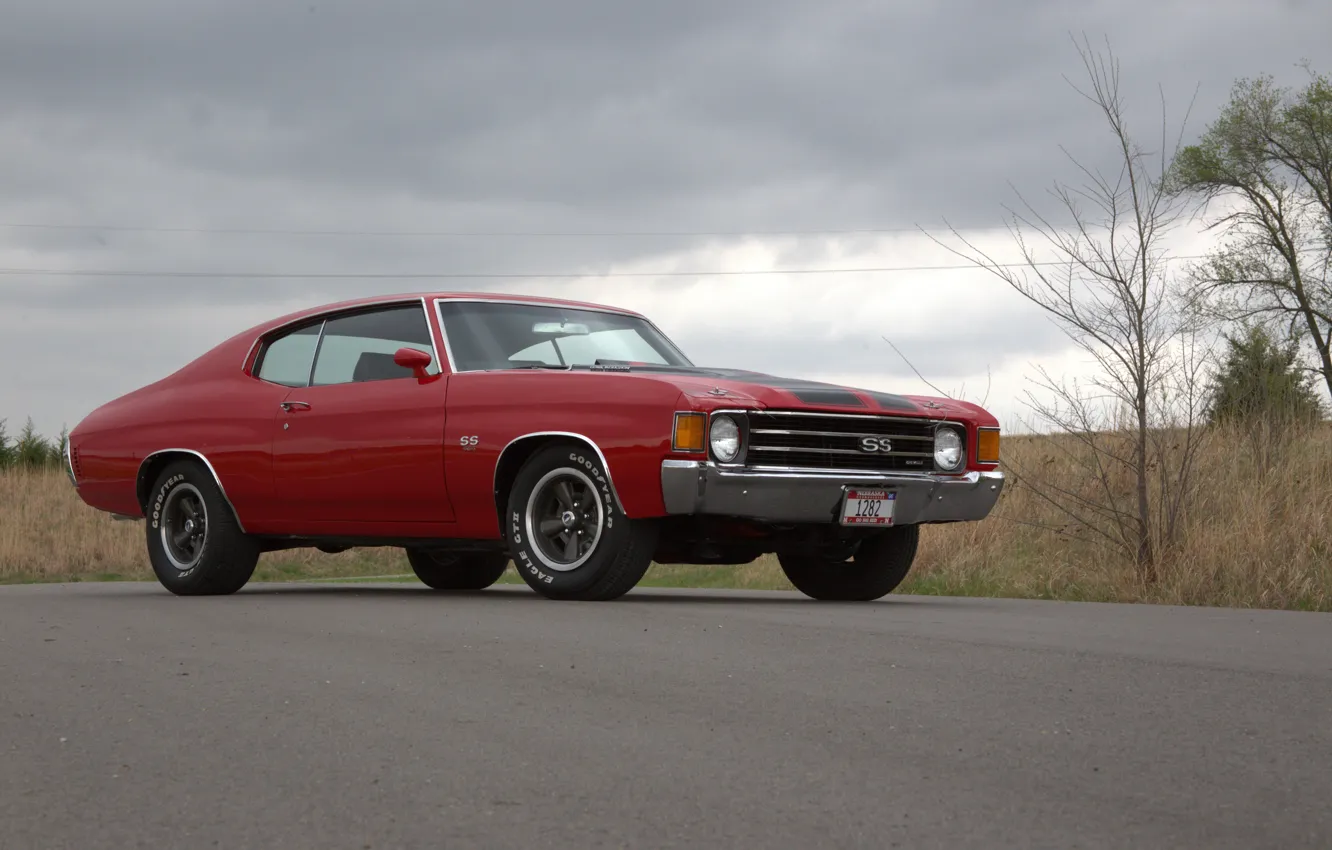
(701, 487)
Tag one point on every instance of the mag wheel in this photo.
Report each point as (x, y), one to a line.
(457, 570)
(877, 568)
(567, 537)
(195, 545)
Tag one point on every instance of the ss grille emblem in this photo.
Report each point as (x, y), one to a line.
(876, 444)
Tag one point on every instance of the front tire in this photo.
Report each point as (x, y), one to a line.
(567, 537)
(457, 570)
(195, 544)
(879, 565)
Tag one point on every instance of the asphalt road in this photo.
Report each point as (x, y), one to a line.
(354, 716)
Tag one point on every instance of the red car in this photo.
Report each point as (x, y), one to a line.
(574, 439)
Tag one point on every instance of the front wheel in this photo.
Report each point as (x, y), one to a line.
(877, 568)
(195, 544)
(567, 537)
(457, 570)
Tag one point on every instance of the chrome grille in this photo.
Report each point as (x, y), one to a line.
(829, 441)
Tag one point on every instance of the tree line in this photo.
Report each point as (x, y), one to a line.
(30, 450)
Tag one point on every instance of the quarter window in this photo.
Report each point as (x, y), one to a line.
(287, 359)
(360, 347)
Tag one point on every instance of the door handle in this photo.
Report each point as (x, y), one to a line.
(289, 406)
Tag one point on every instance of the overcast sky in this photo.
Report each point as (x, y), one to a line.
(693, 120)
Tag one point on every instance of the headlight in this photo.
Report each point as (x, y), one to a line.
(724, 437)
(947, 449)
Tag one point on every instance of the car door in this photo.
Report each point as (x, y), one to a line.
(358, 450)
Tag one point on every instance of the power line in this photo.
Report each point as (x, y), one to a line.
(515, 275)
(260, 231)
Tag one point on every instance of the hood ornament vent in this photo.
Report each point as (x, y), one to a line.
(716, 391)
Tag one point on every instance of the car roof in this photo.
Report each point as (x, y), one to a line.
(492, 297)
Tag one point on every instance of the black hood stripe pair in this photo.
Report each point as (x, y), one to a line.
(810, 392)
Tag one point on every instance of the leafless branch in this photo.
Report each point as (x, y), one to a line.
(1111, 291)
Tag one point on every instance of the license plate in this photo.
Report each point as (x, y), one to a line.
(868, 507)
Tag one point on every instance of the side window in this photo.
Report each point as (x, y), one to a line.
(360, 347)
(287, 359)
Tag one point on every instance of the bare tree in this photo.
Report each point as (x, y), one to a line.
(1105, 279)
(1268, 160)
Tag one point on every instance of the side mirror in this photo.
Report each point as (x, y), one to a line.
(414, 359)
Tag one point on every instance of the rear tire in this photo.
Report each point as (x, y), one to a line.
(567, 537)
(879, 565)
(195, 543)
(457, 570)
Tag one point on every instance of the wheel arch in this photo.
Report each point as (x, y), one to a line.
(154, 462)
(516, 453)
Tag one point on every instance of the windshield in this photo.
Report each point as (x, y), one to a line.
(491, 335)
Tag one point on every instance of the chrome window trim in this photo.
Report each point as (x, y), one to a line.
(610, 480)
(448, 349)
(216, 478)
(323, 313)
(324, 317)
(314, 358)
(249, 369)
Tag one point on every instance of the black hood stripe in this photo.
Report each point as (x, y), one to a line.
(888, 401)
(810, 392)
(831, 395)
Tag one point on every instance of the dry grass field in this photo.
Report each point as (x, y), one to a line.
(1258, 534)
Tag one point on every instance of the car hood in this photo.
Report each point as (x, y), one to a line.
(723, 387)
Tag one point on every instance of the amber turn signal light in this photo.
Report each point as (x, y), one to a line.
(987, 445)
(690, 429)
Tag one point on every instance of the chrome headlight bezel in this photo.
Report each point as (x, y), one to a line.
(732, 438)
(955, 448)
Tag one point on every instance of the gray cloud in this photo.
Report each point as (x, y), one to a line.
(578, 115)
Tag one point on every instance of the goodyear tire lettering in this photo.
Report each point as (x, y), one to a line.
(602, 482)
(161, 497)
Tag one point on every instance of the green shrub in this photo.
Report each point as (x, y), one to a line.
(31, 450)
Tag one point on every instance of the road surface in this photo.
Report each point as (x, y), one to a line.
(331, 716)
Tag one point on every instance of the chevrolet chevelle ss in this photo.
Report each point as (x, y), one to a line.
(572, 439)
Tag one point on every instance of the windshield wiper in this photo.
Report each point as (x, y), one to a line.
(553, 366)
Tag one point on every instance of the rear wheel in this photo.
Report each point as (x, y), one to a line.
(195, 544)
(567, 536)
(457, 570)
(878, 566)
